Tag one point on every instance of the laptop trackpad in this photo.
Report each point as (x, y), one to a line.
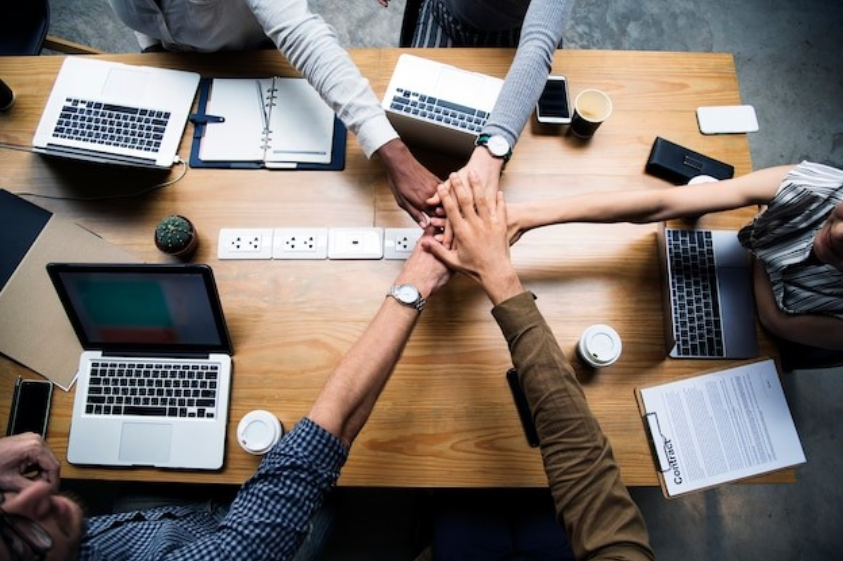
(142, 443)
(125, 84)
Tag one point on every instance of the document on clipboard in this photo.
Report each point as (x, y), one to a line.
(719, 427)
(272, 123)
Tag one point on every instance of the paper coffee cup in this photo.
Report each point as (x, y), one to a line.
(7, 96)
(258, 432)
(599, 346)
(591, 108)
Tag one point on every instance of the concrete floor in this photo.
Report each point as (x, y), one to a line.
(789, 65)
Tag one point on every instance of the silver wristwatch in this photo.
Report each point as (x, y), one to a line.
(408, 295)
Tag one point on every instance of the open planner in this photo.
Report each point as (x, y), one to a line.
(719, 427)
(273, 123)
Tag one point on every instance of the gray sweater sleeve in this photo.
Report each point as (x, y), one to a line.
(540, 34)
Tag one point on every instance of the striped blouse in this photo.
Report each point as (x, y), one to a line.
(782, 237)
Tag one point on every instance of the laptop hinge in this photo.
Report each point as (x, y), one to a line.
(96, 155)
(156, 354)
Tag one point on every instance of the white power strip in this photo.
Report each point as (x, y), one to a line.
(398, 243)
(317, 243)
(355, 243)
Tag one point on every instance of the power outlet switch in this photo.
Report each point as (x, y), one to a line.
(355, 243)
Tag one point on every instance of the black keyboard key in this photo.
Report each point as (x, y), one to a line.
(145, 411)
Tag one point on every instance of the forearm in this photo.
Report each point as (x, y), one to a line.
(347, 399)
(807, 329)
(312, 47)
(540, 35)
(591, 501)
(651, 205)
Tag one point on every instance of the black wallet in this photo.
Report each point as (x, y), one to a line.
(679, 165)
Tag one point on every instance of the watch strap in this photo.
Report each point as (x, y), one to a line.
(483, 140)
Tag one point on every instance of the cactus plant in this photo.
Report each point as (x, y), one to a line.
(176, 235)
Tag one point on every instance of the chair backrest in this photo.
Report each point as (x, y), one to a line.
(24, 27)
(408, 24)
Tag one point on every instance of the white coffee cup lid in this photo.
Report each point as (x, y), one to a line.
(698, 179)
(258, 431)
(600, 345)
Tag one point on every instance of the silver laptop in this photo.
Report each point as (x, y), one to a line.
(154, 376)
(708, 298)
(439, 106)
(116, 113)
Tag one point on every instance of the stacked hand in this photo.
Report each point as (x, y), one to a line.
(480, 244)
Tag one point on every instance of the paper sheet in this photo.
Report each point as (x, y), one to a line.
(721, 427)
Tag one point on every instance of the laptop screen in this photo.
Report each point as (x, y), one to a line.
(155, 309)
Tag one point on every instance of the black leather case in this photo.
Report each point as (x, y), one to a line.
(679, 165)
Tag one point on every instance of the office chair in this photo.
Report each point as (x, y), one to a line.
(408, 24)
(795, 356)
(23, 31)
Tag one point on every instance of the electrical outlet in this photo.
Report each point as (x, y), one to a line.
(245, 243)
(355, 243)
(300, 243)
(398, 243)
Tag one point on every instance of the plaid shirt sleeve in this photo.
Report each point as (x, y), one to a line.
(267, 520)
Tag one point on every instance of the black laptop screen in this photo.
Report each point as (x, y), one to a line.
(142, 308)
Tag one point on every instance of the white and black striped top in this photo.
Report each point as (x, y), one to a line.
(782, 237)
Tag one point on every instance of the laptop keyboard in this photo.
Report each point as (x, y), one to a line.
(693, 293)
(438, 110)
(111, 125)
(158, 389)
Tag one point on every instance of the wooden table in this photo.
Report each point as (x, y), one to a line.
(446, 419)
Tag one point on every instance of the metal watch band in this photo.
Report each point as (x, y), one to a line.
(417, 304)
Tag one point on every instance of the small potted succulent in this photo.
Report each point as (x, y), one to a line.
(176, 235)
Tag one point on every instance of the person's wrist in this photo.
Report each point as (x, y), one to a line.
(501, 285)
(392, 151)
(424, 285)
(481, 156)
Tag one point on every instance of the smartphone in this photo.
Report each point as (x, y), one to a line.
(727, 119)
(554, 107)
(30, 407)
(523, 408)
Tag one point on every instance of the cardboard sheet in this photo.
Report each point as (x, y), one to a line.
(35, 330)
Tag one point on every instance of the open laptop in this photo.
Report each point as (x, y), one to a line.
(708, 298)
(116, 113)
(154, 377)
(437, 105)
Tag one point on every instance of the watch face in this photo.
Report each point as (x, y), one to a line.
(407, 293)
(498, 145)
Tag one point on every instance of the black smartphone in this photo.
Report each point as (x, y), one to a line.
(30, 407)
(523, 408)
(554, 107)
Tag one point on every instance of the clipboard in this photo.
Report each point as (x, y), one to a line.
(255, 125)
(719, 427)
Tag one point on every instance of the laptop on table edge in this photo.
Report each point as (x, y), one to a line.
(146, 316)
(437, 105)
(735, 296)
(89, 96)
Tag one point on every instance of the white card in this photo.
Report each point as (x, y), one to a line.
(727, 119)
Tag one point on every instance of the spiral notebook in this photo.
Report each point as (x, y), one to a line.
(273, 123)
